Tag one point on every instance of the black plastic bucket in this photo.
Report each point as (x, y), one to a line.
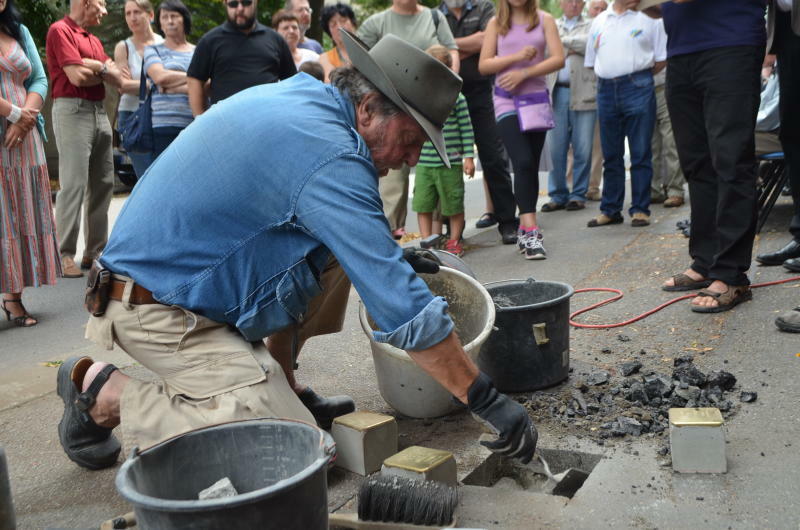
(528, 349)
(279, 467)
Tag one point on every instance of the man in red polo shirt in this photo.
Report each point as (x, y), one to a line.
(78, 66)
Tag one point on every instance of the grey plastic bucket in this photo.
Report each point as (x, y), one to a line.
(279, 467)
(528, 349)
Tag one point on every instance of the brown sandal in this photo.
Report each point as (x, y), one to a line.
(683, 282)
(735, 295)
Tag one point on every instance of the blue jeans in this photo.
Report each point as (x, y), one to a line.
(626, 108)
(140, 161)
(574, 127)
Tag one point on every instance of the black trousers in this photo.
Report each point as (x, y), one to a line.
(525, 150)
(713, 99)
(491, 151)
(787, 47)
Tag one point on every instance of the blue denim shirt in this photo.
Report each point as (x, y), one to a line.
(236, 219)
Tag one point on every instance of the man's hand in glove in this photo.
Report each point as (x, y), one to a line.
(422, 261)
(516, 435)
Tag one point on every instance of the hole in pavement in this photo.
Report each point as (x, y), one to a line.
(499, 472)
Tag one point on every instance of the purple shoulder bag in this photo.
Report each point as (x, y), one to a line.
(533, 110)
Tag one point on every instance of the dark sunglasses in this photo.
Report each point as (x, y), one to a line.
(233, 4)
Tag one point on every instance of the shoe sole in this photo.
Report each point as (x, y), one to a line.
(791, 268)
(768, 263)
(746, 297)
(536, 257)
(67, 391)
(612, 222)
(783, 326)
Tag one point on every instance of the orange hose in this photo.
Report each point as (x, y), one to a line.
(646, 314)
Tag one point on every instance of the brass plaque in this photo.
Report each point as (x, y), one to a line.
(363, 420)
(695, 417)
(418, 459)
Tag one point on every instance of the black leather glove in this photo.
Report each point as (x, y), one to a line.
(516, 435)
(422, 261)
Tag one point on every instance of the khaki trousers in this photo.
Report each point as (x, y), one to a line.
(85, 174)
(667, 174)
(768, 142)
(394, 194)
(208, 373)
(596, 177)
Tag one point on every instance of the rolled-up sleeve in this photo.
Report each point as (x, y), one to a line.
(340, 206)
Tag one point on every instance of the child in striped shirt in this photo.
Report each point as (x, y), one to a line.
(434, 183)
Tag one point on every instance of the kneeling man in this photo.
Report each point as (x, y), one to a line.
(236, 233)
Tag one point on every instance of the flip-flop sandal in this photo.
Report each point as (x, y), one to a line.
(86, 443)
(734, 296)
(684, 282)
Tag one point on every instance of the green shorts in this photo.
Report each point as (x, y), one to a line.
(439, 185)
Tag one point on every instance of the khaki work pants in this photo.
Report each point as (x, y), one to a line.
(667, 174)
(394, 194)
(596, 176)
(208, 373)
(85, 174)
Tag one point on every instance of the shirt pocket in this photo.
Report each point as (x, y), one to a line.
(276, 304)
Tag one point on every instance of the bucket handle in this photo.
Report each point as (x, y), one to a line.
(540, 333)
(529, 280)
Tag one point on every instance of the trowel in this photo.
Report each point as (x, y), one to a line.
(564, 484)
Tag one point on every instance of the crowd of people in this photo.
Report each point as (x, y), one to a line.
(582, 91)
(232, 302)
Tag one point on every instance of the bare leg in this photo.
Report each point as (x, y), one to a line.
(281, 351)
(105, 411)
(425, 220)
(456, 226)
(489, 204)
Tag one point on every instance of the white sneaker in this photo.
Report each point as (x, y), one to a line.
(534, 249)
(521, 237)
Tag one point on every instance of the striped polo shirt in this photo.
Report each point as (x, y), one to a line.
(458, 138)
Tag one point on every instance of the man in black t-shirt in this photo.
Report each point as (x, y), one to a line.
(239, 54)
(467, 21)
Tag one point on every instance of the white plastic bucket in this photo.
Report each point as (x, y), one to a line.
(403, 384)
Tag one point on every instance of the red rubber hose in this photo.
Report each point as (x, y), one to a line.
(646, 314)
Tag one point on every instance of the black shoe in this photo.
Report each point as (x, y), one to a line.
(488, 219)
(86, 443)
(791, 250)
(789, 321)
(575, 205)
(508, 233)
(792, 264)
(552, 207)
(325, 410)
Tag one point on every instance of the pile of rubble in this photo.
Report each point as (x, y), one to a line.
(604, 406)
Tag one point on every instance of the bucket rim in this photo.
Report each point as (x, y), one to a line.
(125, 486)
(402, 354)
(506, 309)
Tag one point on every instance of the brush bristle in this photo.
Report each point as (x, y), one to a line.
(403, 500)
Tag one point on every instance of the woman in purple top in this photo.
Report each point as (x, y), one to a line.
(514, 48)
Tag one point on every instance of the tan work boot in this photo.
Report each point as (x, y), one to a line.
(673, 202)
(640, 219)
(69, 268)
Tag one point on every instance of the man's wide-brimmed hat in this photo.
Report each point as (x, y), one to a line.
(419, 84)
